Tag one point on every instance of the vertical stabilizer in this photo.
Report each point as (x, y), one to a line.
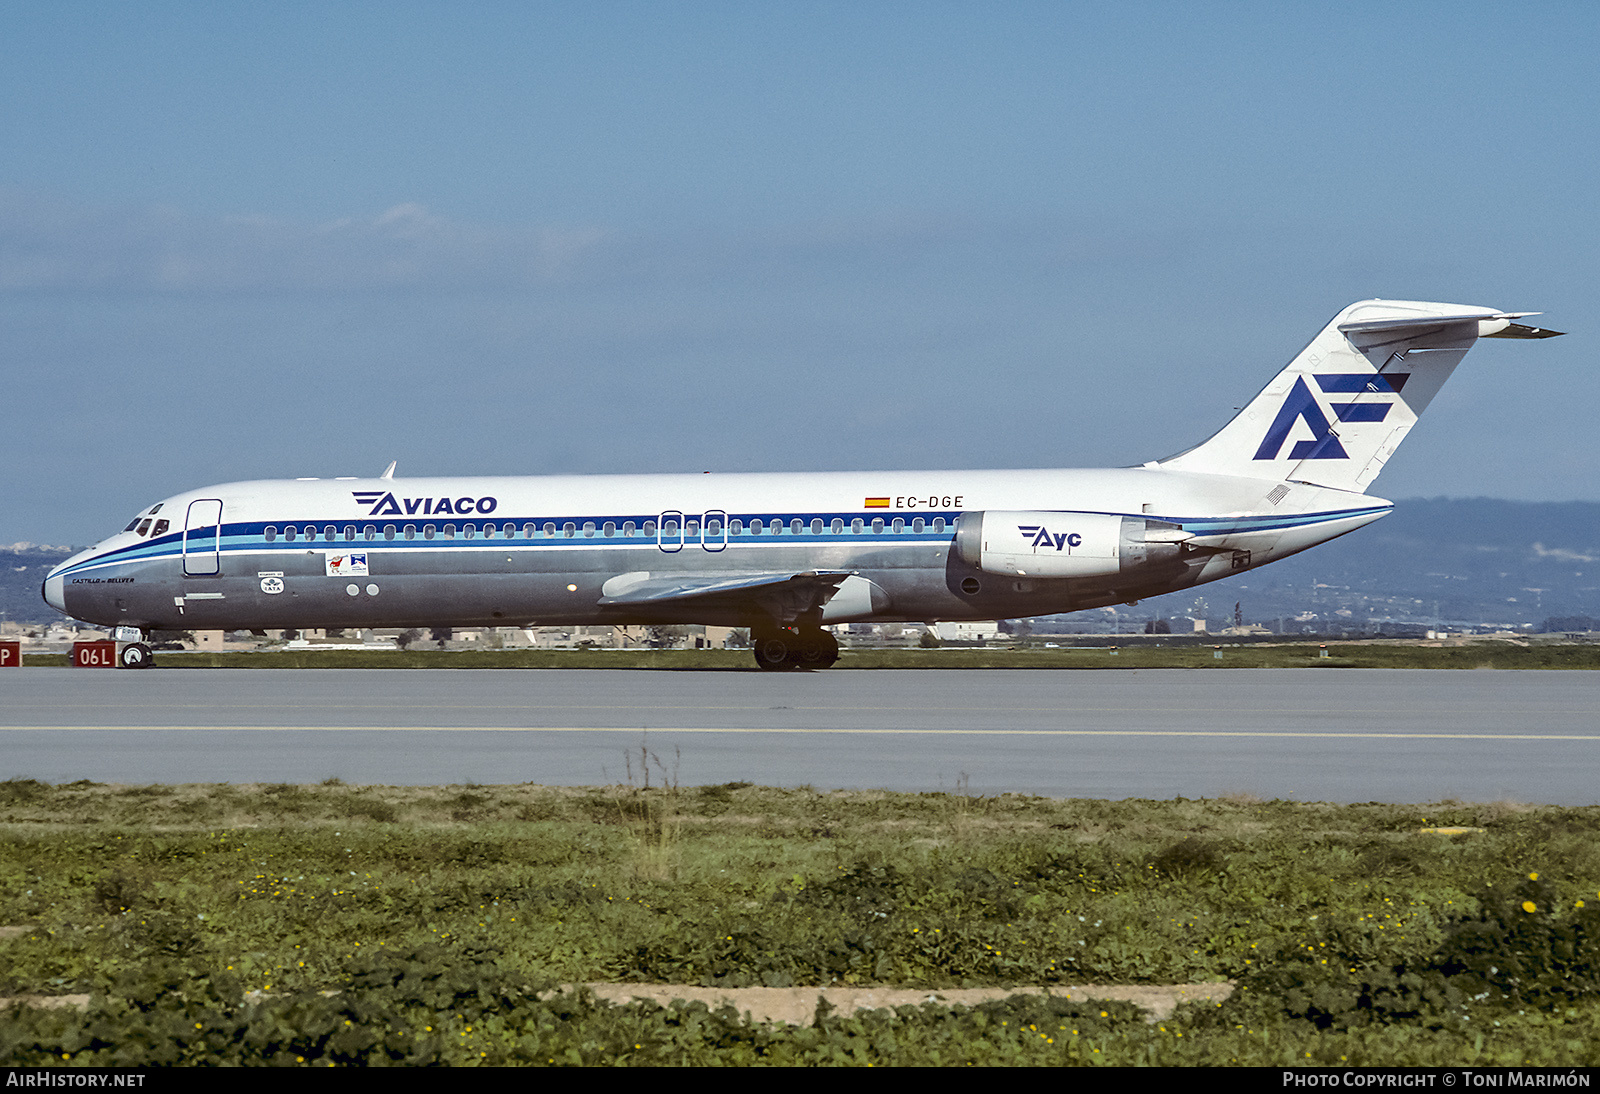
(1344, 404)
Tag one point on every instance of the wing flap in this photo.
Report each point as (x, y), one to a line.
(646, 588)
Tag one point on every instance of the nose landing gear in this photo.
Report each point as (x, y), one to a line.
(134, 655)
(779, 649)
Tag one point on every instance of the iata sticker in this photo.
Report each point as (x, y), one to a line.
(349, 565)
(272, 586)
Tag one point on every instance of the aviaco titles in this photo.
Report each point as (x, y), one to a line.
(787, 554)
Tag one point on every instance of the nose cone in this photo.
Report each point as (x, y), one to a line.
(55, 593)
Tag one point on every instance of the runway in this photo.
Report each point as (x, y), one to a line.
(1316, 734)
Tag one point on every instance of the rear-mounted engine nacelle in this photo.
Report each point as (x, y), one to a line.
(1048, 544)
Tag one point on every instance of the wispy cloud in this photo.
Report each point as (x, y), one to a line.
(1561, 554)
(52, 246)
(47, 245)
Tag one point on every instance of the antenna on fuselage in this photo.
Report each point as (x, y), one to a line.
(389, 471)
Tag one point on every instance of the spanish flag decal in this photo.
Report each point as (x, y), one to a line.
(875, 503)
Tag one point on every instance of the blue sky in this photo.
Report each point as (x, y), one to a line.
(260, 241)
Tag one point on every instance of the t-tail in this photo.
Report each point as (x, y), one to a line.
(1338, 412)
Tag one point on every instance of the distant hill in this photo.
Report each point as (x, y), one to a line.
(1480, 560)
(22, 570)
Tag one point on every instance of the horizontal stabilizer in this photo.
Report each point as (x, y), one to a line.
(1426, 322)
(1518, 330)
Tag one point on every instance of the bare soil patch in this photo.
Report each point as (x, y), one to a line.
(797, 1006)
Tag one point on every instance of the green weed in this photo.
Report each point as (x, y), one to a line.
(1353, 933)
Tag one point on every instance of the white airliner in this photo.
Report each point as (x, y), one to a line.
(786, 554)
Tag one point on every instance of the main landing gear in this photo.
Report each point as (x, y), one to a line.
(799, 647)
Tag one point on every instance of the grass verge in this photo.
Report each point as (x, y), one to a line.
(208, 923)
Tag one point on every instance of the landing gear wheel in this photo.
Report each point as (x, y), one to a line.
(788, 648)
(135, 655)
(818, 649)
(774, 651)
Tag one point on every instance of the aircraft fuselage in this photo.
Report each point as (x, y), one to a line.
(517, 551)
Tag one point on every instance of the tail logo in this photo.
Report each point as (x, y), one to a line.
(1302, 406)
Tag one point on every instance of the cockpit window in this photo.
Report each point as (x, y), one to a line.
(144, 526)
(161, 528)
(132, 524)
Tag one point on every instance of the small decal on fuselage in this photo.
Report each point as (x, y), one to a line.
(345, 565)
(272, 586)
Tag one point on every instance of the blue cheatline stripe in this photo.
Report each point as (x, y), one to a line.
(250, 537)
(1215, 526)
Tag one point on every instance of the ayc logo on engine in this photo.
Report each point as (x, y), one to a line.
(1043, 537)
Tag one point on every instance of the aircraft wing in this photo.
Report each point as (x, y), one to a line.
(645, 588)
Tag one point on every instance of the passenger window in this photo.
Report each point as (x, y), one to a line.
(330, 533)
(713, 527)
(756, 526)
(670, 528)
(649, 527)
(271, 532)
(388, 531)
(916, 524)
(857, 525)
(489, 530)
(796, 525)
(527, 530)
(816, 526)
(628, 528)
(427, 531)
(469, 530)
(569, 529)
(449, 531)
(736, 526)
(411, 531)
(289, 533)
(349, 532)
(837, 526)
(549, 527)
(877, 525)
(588, 529)
(899, 524)
(371, 532)
(938, 524)
(610, 529)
